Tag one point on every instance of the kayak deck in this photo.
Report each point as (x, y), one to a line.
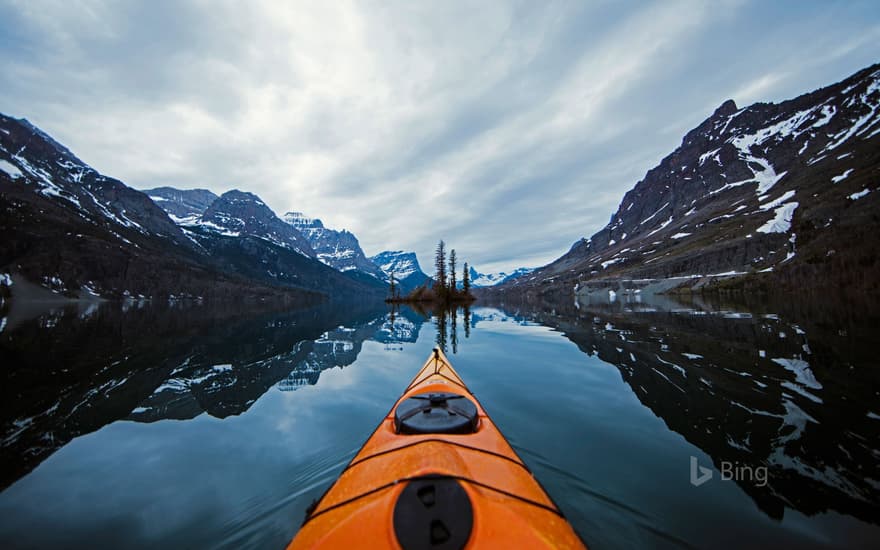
(409, 489)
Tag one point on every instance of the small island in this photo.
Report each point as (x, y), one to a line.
(444, 290)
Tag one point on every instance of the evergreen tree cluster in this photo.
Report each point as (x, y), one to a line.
(446, 288)
(445, 282)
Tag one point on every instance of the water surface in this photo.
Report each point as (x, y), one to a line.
(191, 427)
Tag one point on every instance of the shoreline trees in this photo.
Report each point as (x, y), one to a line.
(445, 289)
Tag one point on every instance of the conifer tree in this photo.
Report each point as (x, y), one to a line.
(452, 285)
(392, 284)
(440, 265)
(465, 280)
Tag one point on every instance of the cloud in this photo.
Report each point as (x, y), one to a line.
(508, 129)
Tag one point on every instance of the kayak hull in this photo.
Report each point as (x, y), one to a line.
(509, 507)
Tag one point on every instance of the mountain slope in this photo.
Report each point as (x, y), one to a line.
(182, 203)
(479, 280)
(405, 267)
(244, 236)
(78, 233)
(35, 165)
(239, 213)
(785, 190)
(338, 249)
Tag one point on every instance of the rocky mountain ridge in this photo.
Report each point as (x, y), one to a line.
(405, 267)
(338, 249)
(181, 203)
(479, 280)
(195, 213)
(238, 213)
(79, 234)
(246, 237)
(784, 191)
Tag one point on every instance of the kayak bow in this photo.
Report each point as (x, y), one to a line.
(436, 473)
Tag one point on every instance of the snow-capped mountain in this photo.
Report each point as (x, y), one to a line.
(238, 213)
(786, 190)
(78, 233)
(491, 279)
(338, 249)
(33, 163)
(182, 203)
(242, 234)
(404, 266)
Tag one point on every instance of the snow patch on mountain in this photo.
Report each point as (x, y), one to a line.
(238, 213)
(860, 194)
(338, 249)
(841, 177)
(478, 279)
(182, 203)
(401, 264)
(302, 222)
(781, 221)
(11, 170)
(731, 173)
(774, 203)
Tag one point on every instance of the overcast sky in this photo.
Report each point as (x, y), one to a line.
(509, 129)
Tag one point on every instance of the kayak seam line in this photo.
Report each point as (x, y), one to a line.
(434, 476)
(436, 440)
(552, 509)
(416, 383)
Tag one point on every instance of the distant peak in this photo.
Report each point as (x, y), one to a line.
(169, 189)
(46, 137)
(726, 109)
(237, 194)
(392, 253)
(301, 220)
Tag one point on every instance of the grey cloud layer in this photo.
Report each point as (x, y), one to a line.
(508, 129)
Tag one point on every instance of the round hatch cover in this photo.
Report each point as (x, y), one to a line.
(436, 413)
(433, 513)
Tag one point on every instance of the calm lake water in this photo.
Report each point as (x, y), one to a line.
(141, 427)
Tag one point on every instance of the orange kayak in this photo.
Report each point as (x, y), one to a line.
(436, 473)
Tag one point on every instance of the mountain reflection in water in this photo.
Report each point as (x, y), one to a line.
(70, 371)
(792, 387)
